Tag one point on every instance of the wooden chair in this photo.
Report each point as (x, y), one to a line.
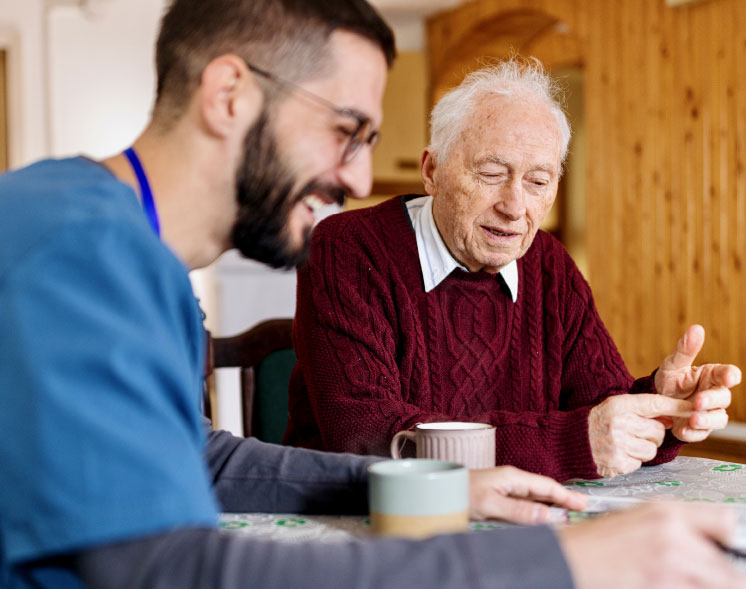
(265, 355)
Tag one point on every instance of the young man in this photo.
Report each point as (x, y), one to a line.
(265, 108)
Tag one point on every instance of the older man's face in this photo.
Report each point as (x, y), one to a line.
(497, 182)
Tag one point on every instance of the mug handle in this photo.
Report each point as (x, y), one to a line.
(396, 448)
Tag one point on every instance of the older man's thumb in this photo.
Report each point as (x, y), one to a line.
(687, 347)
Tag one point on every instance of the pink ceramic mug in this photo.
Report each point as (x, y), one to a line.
(470, 444)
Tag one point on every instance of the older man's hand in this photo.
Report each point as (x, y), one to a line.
(707, 387)
(511, 494)
(624, 430)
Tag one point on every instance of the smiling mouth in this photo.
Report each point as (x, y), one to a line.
(499, 233)
(316, 202)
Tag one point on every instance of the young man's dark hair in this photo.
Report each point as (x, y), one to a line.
(286, 37)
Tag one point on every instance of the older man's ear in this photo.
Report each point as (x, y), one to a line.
(427, 171)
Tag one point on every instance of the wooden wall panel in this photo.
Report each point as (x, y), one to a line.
(666, 186)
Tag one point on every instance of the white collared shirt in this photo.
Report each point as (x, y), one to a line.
(436, 262)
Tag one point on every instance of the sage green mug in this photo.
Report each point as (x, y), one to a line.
(417, 498)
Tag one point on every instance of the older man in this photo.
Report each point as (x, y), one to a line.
(455, 306)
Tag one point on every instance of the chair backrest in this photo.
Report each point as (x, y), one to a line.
(265, 355)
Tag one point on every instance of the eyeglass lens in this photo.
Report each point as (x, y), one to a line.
(364, 134)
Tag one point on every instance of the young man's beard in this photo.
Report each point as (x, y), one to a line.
(264, 188)
(264, 191)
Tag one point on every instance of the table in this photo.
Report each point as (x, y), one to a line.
(686, 478)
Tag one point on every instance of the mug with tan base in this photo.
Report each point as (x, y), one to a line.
(416, 498)
(470, 444)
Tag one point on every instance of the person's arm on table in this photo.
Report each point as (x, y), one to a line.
(184, 559)
(249, 475)
(654, 545)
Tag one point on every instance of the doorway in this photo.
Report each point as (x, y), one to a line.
(3, 111)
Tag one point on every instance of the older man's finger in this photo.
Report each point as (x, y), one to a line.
(723, 375)
(709, 420)
(642, 450)
(718, 398)
(687, 349)
(648, 429)
(689, 435)
(652, 405)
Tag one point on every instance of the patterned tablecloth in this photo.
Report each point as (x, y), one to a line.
(684, 479)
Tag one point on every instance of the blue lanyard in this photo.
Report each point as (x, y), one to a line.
(148, 204)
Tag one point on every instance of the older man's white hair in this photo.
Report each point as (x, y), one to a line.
(516, 77)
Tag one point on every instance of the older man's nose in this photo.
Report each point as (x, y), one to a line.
(357, 175)
(512, 201)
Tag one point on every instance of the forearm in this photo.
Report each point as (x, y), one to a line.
(553, 443)
(249, 475)
(195, 558)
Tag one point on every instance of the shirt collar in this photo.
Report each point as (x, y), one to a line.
(436, 262)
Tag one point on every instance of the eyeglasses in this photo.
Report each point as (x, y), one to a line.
(364, 133)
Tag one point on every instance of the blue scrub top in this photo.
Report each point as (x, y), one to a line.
(101, 357)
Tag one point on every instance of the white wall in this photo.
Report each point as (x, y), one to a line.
(101, 74)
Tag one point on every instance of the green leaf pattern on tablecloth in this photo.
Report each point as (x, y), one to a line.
(234, 525)
(292, 522)
(727, 467)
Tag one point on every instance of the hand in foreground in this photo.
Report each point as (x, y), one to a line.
(511, 494)
(707, 387)
(624, 433)
(656, 545)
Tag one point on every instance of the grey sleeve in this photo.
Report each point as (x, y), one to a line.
(249, 475)
(192, 558)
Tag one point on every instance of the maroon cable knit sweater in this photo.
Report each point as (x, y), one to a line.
(376, 354)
